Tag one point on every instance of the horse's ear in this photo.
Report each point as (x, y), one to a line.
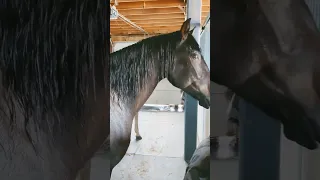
(185, 28)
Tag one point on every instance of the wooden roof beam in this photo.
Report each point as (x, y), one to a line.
(128, 30)
(159, 21)
(156, 17)
(120, 1)
(137, 37)
(154, 11)
(150, 4)
(148, 29)
(158, 26)
(117, 24)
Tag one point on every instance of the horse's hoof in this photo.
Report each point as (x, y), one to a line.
(138, 138)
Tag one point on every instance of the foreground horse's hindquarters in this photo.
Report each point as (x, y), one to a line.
(137, 69)
(268, 51)
(53, 88)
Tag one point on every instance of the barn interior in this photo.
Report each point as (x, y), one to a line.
(134, 20)
(163, 150)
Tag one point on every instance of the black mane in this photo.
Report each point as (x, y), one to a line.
(130, 67)
(52, 52)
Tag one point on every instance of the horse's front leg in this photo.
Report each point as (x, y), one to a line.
(120, 135)
(136, 127)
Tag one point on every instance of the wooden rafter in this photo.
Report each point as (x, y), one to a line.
(153, 16)
(152, 22)
(149, 29)
(123, 38)
(150, 4)
(152, 11)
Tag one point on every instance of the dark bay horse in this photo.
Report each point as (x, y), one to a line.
(54, 93)
(137, 69)
(268, 52)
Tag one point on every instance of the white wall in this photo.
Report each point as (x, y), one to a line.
(298, 163)
(290, 160)
(310, 164)
(118, 46)
(164, 93)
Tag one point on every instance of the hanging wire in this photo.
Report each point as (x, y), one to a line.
(205, 24)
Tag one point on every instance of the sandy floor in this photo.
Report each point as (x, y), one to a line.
(159, 155)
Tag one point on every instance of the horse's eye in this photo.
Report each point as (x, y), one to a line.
(195, 55)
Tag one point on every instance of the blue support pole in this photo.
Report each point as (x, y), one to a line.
(259, 144)
(191, 105)
(190, 134)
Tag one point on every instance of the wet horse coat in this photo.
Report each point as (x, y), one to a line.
(53, 88)
(267, 51)
(137, 69)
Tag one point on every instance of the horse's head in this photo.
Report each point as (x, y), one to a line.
(190, 72)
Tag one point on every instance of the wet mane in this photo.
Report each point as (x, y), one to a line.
(52, 52)
(130, 67)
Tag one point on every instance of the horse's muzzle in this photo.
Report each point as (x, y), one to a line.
(202, 96)
(205, 102)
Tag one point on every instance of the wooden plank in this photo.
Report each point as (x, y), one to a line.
(150, 4)
(170, 26)
(152, 11)
(125, 33)
(119, 22)
(155, 16)
(131, 38)
(152, 22)
(168, 10)
(159, 16)
(148, 29)
(156, 26)
(114, 24)
(120, 1)
(142, 24)
(139, 33)
(148, 26)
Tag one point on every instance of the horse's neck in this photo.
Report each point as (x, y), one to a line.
(160, 71)
(291, 21)
(145, 92)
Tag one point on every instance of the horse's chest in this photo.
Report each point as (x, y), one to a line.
(120, 125)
